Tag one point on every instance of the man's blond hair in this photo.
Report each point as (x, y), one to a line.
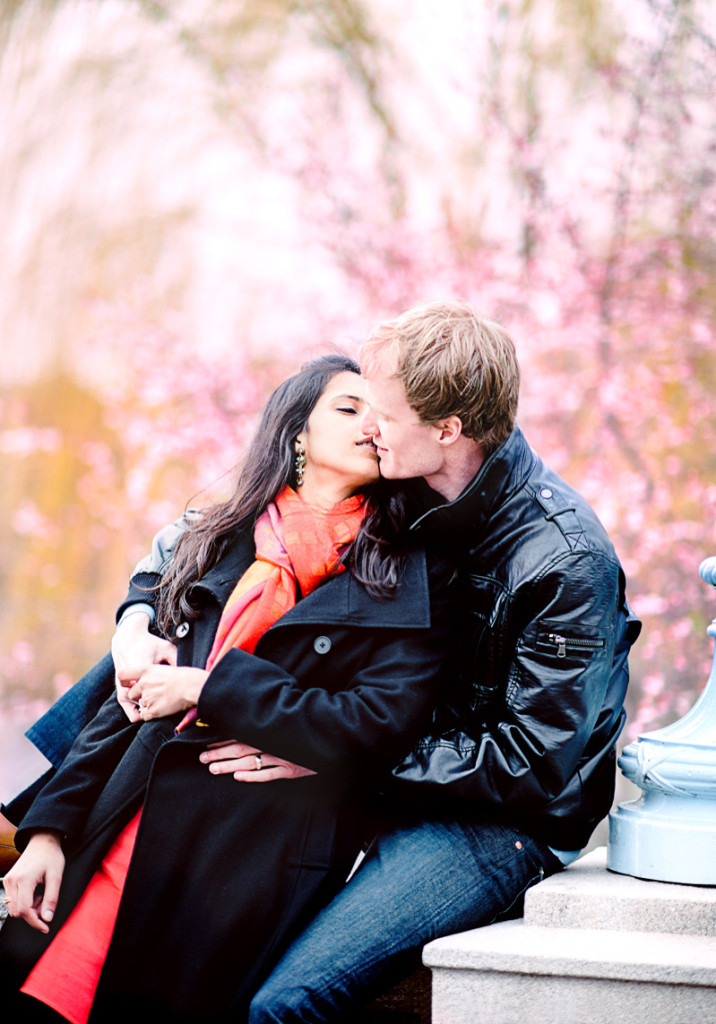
(453, 362)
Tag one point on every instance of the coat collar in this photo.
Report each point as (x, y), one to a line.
(503, 473)
(222, 578)
(344, 600)
(341, 600)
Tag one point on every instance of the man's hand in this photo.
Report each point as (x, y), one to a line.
(162, 690)
(248, 764)
(41, 864)
(134, 649)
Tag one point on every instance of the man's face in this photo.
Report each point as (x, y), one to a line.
(406, 446)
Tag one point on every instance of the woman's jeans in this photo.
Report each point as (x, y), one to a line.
(418, 882)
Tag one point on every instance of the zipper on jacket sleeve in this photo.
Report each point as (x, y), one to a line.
(563, 642)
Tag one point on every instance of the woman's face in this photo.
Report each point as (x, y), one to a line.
(339, 456)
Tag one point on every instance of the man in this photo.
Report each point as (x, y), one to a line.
(520, 766)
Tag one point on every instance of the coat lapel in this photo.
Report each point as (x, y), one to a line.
(343, 600)
(223, 577)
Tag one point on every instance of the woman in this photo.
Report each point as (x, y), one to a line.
(328, 652)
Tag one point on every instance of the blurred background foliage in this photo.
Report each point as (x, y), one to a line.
(196, 195)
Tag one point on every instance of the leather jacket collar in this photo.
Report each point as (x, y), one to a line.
(502, 473)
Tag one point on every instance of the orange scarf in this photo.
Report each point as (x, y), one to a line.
(297, 548)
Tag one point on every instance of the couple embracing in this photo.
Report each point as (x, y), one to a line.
(396, 654)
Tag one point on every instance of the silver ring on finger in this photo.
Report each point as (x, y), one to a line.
(257, 764)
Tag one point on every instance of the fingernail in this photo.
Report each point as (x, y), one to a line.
(203, 758)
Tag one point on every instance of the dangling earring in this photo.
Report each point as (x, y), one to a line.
(300, 463)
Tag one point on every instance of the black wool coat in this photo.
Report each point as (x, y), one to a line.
(223, 873)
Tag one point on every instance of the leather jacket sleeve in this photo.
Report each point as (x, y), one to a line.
(163, 545)
(550, 688)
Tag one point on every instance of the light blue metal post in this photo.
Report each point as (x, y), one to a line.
(669, 833)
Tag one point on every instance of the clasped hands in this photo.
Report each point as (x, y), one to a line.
(161, 690)
(150, 685)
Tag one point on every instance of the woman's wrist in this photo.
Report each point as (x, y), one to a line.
(194, 680)
(51, 836)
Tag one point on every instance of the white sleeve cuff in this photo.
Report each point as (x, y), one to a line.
(138, 607)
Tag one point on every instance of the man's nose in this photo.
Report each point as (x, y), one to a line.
(368, 423)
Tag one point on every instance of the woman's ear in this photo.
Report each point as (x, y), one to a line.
(299, 463)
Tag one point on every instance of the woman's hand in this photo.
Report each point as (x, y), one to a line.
(42, 863)
(248, 764)
(163, 690)
(134, 649)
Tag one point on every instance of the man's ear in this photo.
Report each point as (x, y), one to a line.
(449, 430)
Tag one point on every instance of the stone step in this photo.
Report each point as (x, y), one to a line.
(518, 948)
(589, 896)
(515, 974)
(594, 947)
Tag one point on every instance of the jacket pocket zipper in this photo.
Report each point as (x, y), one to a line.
(563, 642)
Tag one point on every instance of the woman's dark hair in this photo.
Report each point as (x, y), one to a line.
(375, 555)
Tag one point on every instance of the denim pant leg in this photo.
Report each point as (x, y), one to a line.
(419, 881)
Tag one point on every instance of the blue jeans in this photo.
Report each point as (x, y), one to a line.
(418, 882)
(59, 727)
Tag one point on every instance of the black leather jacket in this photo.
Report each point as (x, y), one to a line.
(529, 732)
